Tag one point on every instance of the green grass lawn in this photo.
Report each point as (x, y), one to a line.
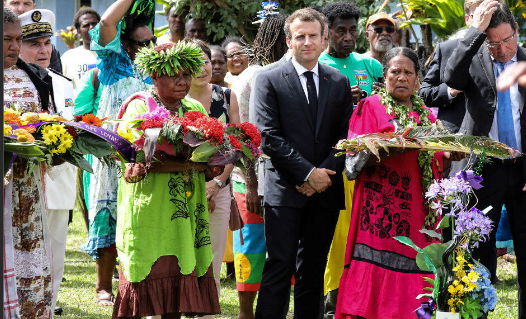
(77, 295)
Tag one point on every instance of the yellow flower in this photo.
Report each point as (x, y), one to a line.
(188, 194)
(7, 130)
(23, 136)
(42, 117)
(126, 134)
(30, 118)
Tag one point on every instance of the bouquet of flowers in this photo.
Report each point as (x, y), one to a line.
(461, 285)
(68, 36)
(40, 136)
(194, 136)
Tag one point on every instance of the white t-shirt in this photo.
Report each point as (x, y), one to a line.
(76, 62)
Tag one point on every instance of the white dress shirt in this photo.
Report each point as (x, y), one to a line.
(303, 79)
(515, 107)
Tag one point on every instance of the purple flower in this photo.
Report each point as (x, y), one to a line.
(433, 190)
(473, 225)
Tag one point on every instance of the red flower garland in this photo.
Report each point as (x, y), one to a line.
(252, 132)
(234, 141)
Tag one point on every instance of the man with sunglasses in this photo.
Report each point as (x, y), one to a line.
(489, 47)
(380, 32)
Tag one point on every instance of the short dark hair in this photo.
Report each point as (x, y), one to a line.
(170, 6)
(304, 15)
(10, 16)
(232, 38)
(202, 45)
(127, 36)
(404, 51)
(342, 10)
(317, 8)
(270, 43)
(82, 12)
(502, 15)
(218, 48)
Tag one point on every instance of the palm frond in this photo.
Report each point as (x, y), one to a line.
(432, 138)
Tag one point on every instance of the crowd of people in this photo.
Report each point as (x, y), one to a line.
(299, 215)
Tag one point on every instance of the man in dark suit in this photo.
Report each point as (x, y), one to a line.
(473, 68)
(436, 93)
(302, 110)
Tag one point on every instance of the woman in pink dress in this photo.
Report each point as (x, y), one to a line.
(381, 278)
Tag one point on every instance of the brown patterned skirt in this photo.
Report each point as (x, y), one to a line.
(165, 291)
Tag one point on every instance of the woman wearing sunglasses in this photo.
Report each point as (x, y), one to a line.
(124, 28)
(381, 34)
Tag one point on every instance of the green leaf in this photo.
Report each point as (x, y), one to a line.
(407, 241)
(26, 150)
(204, 152)
(431, 233)
(424, 295)
(246, 151)
(430, 258)
(88, 143)
(444, 223)
(429, 280)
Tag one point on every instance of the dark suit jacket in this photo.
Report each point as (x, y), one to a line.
(255, 84)
(294, 141)
(434, 91)
(470, 69)
(42, 81)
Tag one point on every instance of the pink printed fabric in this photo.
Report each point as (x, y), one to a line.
(152, 105)
(11, 308)
(388, 201)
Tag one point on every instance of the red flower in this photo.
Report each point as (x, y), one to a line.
(212, 129)
(251, 131)
(194, 115)
(71, 130)
(78, 118)
(149, 123)
(234, 141)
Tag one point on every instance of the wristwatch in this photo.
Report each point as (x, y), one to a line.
(218, 182)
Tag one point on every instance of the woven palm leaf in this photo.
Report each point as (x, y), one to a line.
(433, 138)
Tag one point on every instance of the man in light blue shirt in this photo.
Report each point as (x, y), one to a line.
(489, 47)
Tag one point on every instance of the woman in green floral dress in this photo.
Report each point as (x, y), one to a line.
(163, 238)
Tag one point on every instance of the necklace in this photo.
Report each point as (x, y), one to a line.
(157, 99)
(401, 111)
(425, 159)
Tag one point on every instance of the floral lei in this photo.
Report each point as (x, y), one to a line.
(425, 159)
(157, 99)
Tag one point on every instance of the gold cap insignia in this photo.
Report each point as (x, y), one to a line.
(36, 16)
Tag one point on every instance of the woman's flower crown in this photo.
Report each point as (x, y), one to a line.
(169, 59)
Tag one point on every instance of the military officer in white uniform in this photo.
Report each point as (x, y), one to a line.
(60, 182)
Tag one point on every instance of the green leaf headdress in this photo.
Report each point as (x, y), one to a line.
(169, 59)
(141, 11)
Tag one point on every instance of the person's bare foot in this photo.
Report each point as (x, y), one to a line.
(105, 298)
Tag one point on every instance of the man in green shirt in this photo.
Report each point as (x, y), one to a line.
(364, 75)
(363, 72)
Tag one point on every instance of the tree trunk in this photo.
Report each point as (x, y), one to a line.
(427, 39)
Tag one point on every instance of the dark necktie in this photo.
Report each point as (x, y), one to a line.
(313, 97)
(505, 115)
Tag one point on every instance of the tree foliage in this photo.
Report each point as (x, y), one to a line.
(233, 17)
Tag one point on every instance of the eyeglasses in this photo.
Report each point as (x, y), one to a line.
(236, 54)
(492, 45)
(388, 29)
(145, 43)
